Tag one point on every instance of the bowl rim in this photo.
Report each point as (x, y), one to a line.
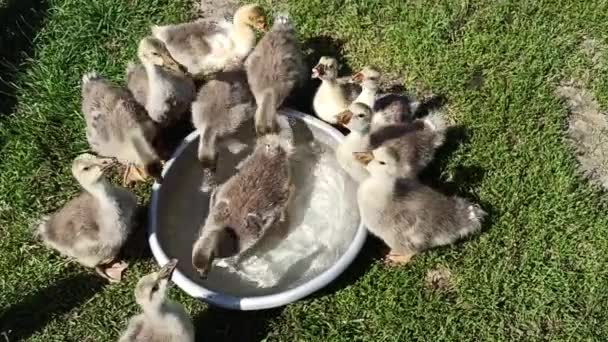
(255, 302)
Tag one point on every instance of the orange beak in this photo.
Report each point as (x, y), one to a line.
(344, 117)
(363, 157)
(262, 25)
(357, 78)
(318, 71)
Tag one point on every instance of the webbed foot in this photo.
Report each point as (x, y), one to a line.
(112, 271)
(396, 259)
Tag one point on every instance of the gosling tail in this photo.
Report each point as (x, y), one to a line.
(475, 216)
(159, 32)
(436, 123)
(131, 67)
(89, 77)
(40, 227)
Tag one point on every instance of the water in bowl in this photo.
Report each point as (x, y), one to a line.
(323, 218)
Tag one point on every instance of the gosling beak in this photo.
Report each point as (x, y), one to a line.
(318, 71)
(345, 117)
(357, 78)
(167, 270)
(363, 157)
(262, 26)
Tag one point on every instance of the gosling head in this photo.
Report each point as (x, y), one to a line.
(273, 145)
(152, 51)
(382, 162)
(151, 289)
(326, 69)
(203, 254)
(89, 169)
(357, 117)
(368, 77)
(252, 15)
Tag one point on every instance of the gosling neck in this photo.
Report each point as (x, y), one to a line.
(99, 189)
(242, 34)
(368, 92)
(360, 132)
(154, 308)
(153, 71)
(367, 96)
(383, 181)
(331, 82)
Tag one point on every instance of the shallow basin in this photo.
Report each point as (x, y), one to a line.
(324, 235)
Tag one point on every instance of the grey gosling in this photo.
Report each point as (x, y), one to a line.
(205, 47)
(162, 320)
(119, 127)
(333, 96)
(416, 141)
(407, 215)
(160, 84)
(248, 206)
(92, 227)
(274, 69)
(222, 105)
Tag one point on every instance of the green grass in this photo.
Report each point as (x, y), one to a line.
(536, 272)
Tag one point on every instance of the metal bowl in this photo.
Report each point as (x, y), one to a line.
(179, 207)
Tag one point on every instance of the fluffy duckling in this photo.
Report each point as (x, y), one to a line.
(407, 215)
(416, 141)
(160, 84)
(332, 96)
(92, 227)
(162, 320)
(222, 105)
(119, 127)
(357, 119)
(274, 69)
(249, 205)
(369, 79)
(204, 47)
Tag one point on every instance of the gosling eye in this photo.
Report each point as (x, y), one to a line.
(361, 115)
(155, 287)
(382, 163)
(86, 168)
(155, 54)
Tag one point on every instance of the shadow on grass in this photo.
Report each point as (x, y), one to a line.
(373, 250)
(463, 178)
(34, 312)
(20, 22)
(171, 137)
(136, 247)
(430, 104)
(215, 324)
